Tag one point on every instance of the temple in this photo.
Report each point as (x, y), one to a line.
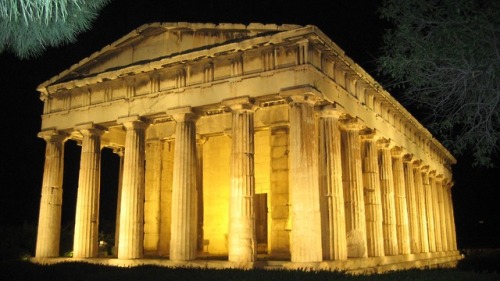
(245, 144)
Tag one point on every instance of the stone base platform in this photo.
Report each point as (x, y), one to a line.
(355, 266)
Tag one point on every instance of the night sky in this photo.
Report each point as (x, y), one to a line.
(353, 25)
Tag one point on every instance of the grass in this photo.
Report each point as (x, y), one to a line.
(26, 271)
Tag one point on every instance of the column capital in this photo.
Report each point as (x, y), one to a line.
(351, 124)
(240, 104)
(133, 122)
(432, 173)
(408, 157)
(90, 129)
(418, 164)
(306, 94)
(331, 110)
(367, 134)
(385, 143)
(397, 151)
(53, 135)
(180, 114)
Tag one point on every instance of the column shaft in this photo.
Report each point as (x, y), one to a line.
(402, 221)
(437, 215)
(305, 236)
(388, 199)
(242, 239)
(49, 222)
(442, 213)
(411, 202)
(431, 234)
(330, 169)
(352, 178)
(421, 210)
(131, 237)
(373, 202)
(86, 238)
(152, 197)
(452, 244)
(184, 192)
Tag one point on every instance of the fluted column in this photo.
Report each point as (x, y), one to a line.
(330, 173)
(429, 209)
(152, 197)
(184, 190)
(373, 202)
(120, 153)
(352, 177)
(402, 221)
(49, 221)
(411, 202)
(450, 225)
(436, 212)
(86, 240)
(242, 239)
(305, 236)
(132, 196)
(387, 197)
(442, 214)
(421, 210)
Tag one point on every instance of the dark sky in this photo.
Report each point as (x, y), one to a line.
(353, 25)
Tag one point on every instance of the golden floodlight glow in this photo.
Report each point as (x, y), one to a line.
(251, 145)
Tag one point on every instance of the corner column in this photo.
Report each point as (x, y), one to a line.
(352, 177)
(131, 236)
(305, 235)
(371, 186)
(49, 221)
(183, 240)
(402, 224)
(330, 173)
(85, 244)
(387, 197)
(242, 240)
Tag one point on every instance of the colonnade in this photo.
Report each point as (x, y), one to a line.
(352, 192)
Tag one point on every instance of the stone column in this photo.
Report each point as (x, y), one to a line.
(330, 173)
(411, 202)
(352, 177)
(402, 221)
(86, 240)
(437, 215)
(305, 236)
(152, 197)
(131, 237)
(373, 202)
(442, 214)
(431, 234)
(387, 197)
(421, 210)
(450, 225)
(184, 194)
(49, 221)
(242, 240)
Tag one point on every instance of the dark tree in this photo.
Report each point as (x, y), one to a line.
(444, 58)
(28, 27)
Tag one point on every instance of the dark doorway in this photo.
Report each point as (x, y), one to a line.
(261, 222)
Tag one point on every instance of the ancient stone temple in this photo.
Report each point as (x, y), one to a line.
(246, 144)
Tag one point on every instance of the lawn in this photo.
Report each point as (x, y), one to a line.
(26, 271)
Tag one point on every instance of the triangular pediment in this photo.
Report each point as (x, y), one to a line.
(155, 41)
